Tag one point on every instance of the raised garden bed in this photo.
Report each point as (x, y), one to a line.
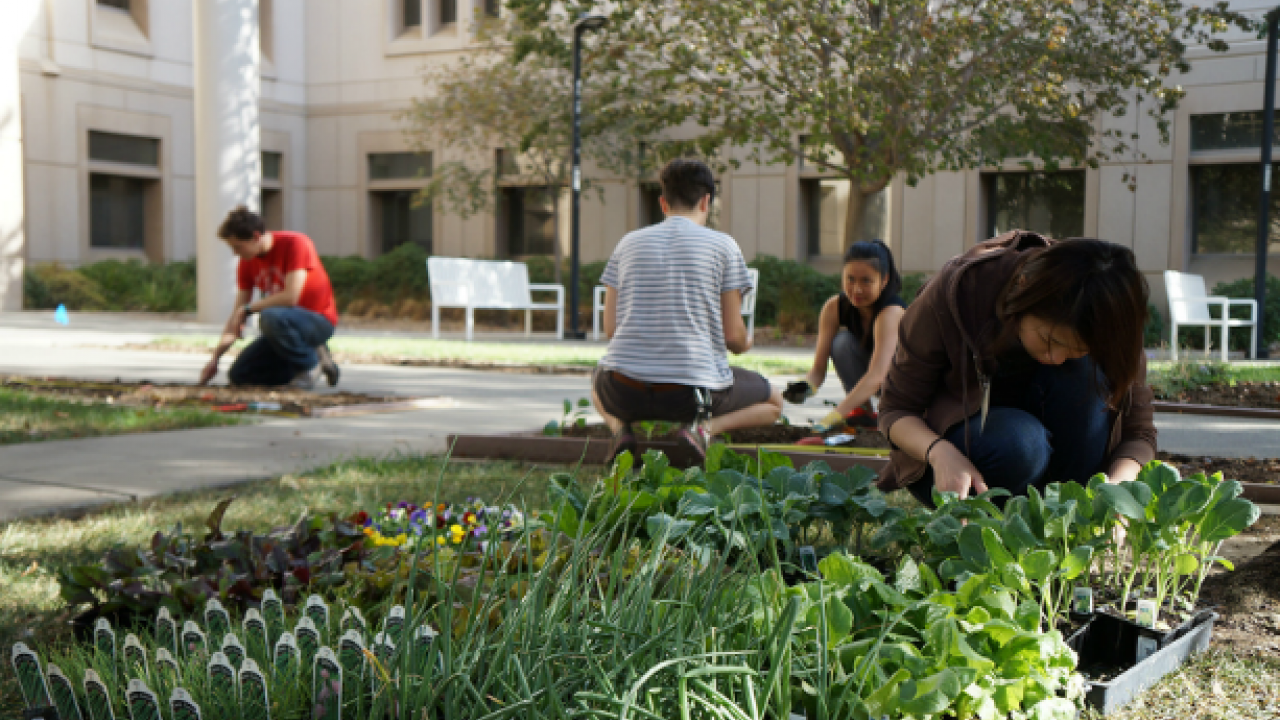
(1262, 395)
(275, 401)
(536, 447)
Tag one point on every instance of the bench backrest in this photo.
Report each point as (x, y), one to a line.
(459, 282)
(1186, 297)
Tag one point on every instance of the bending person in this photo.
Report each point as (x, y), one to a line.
(673, 306)
(858, 333)
(298, 314)
(1021, 364)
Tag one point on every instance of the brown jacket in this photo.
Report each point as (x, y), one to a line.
(940, 367)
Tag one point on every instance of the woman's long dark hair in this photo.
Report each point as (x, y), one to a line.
(878, 255)
(1093, 287)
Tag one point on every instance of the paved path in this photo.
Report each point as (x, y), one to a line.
(69, 474)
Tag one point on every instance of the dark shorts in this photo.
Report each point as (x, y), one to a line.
(635, 401)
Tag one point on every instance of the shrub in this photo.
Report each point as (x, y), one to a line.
(133, 286)
(803, 285)
(47, 286)
(1153, 333)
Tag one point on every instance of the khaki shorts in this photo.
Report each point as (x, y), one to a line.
(632, 400)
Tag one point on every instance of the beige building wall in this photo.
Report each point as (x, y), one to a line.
(336, 73)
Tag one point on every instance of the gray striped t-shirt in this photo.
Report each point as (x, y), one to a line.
(669, 278)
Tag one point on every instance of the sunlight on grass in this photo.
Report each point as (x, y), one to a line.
(1218, 685)
(29, 417)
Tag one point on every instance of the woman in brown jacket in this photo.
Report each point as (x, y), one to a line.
(1021, 363)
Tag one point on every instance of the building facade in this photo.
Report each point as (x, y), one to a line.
(98, 149)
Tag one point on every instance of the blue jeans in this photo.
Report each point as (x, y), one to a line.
(290, 336)
(1057, 432)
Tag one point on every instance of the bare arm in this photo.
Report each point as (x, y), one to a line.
(828, 326)
(610, 311)
(230, 333)
(736, 339)
(294, 281)
(886, 337)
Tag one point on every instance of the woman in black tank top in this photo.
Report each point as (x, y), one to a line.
(858, 332)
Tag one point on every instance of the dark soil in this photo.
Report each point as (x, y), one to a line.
(1249, 602)
(771, 435)
(1244, 394)
(158, 395)
(1249, 470)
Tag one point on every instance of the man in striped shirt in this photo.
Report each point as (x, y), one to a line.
(673, 302)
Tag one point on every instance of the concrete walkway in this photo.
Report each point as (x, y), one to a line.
(63, 476)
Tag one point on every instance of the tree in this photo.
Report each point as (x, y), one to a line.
(886, 87)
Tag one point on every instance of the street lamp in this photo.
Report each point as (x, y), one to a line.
(1264, 228)
(584, 23)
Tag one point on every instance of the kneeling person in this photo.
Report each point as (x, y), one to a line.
(673, 306)
(297, 311)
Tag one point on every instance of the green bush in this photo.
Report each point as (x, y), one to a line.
(797, 282)
(1153, 333)
(134, 286)
(48, 286)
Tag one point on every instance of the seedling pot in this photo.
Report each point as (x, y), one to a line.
(1108, 645)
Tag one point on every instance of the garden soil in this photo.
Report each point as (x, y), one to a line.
(157, 395)
(1248, 470)
(1248, 599)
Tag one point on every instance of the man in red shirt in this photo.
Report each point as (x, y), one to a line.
(295, 301)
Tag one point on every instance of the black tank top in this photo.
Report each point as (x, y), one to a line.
(851, 319)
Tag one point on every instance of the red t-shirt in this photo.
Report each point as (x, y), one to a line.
(290, 251)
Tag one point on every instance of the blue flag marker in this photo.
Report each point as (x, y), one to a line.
(60, 315)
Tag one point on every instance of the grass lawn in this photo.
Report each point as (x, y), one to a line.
(27, 417)
(1219, 685)
(412, 349)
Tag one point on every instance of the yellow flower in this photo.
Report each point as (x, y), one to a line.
(440, 540)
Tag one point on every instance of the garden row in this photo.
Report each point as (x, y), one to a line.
(743, 589)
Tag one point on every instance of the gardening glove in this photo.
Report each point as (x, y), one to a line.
(797, 392)
(832, 421)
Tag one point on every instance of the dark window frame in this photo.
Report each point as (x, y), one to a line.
(116, 148)
(410, 14)
(116, 225)
(1066, 227)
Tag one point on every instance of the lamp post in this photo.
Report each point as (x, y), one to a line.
(583, 24)
(1264, 227)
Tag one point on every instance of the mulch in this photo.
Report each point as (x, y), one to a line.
(1248, 470)
(1248, 599)
(162, 395)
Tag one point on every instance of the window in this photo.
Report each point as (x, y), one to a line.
(129, 149)
(826, 207)
(272, 199)
(1048, 203)
(117, 211)
(400, 218)
(1224, 209)
(397, 214)
(124, 182)
(399, 166)
(448, 12)
(492, 8)
(266, 29)
(410, 14)
(121, 4)
(529, 214)
(271, 165)
(650, 210)
(1229, 131)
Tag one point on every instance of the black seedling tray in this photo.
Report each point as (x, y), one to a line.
(1108, 646)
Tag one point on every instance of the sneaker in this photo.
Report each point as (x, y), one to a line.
(305, 380)
(695, 438)
(624, 441)
(328, 366)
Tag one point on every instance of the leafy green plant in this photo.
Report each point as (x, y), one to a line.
(180, 571)
(1177, 378)
(575, 415)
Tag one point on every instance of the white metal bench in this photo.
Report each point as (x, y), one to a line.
(489, 285)
(1189, 305)
(748, 307)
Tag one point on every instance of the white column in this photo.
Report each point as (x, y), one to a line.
(228, 157)
(18, 19)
